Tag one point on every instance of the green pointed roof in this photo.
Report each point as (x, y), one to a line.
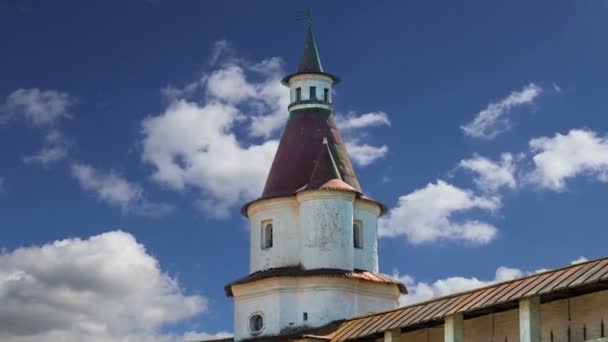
(310, 61)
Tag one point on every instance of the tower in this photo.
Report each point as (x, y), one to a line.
(313, 248)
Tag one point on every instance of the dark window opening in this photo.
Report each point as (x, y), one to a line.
(298, 94)
(326, 95)
(267, 235)
(357, 235)
(305, 316)
(313, 93)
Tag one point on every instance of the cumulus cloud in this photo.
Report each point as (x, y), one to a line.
(55, 149)
(363, 154)
(105, 288)
(561, 157)
(490, 175)
(352, 126)
(117, 191)
(353, 121)
(579, 260)
(43, 109)
(423, 291)
(218, 133)
(494, 119)
(39, 107)
(428, 214)
(202, 336)
(193, 145)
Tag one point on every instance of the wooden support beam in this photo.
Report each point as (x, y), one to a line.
(529, 320)
(392, 335)
(453, 328)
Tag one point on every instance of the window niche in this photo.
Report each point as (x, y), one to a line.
(313, 93)
(358, 234)
(267, 234)
(298, 94)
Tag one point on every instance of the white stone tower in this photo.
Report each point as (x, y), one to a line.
(314, 251)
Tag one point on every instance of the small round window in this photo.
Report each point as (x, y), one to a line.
(256, 323)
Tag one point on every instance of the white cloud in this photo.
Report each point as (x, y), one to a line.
(202, 141)
(558, 158)
(422, 291)
(493, 120)
(490, 175)
(194, 145)
(117, 191)
(427, 214)
(363, 154)
(579, 260)
(252, 88)
(55, 149)
(353, 121)
(202, 336)
(105, 288)
(352, 125)
(39, 107)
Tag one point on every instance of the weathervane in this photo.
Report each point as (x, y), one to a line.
(304, 15)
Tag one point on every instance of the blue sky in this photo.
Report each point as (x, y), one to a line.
(482, 125)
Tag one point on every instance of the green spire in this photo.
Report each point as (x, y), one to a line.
(310, 61)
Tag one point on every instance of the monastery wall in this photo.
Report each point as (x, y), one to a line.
(583, 319)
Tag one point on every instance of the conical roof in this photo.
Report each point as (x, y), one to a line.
(298, 162)
(310, 61)
(325, 168)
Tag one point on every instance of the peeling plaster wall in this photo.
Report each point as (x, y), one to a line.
(326, 226)
(315, 230)
(282, 302)
(286, 246)
(366, 258)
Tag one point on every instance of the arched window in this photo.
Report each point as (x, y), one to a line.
(358, 234)
(267, 234)
(326, 95)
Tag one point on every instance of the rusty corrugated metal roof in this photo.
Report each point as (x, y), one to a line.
(554, 284)
(298, 271)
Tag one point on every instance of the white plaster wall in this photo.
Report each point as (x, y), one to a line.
(283, 301)
(326, 238)
(366, 258)
(306, 81)
(315, 230)
(285, 250)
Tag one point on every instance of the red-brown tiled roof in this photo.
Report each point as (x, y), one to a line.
(298, 152)
(550, 285)
(298, 271)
